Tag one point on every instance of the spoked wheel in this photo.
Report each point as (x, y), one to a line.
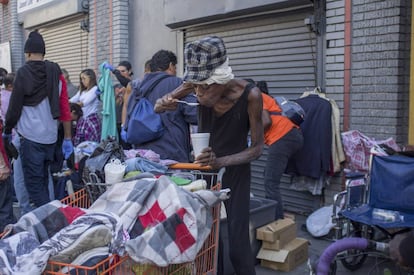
(353, 259)
(332, 268)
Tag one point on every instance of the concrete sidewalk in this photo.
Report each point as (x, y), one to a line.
(372, 266)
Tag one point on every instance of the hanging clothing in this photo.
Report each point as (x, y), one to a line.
(108, 104)
(314, 159)
(338, 154)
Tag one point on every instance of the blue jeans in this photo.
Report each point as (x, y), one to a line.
(36, 159)
(18, 181)
(6, 204)
(277, 160)
(19, 185)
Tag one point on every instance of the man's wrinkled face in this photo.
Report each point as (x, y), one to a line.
(206, 94)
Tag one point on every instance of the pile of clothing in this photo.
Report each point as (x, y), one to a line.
(135, 217)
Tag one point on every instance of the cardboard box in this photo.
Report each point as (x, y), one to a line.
(277, 234)
(286, 259)
(288, 215)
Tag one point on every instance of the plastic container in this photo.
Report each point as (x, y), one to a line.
(199, 142)
(114, 171)
(387, 215)
(199, 184)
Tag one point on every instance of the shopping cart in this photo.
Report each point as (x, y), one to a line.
(205, 262)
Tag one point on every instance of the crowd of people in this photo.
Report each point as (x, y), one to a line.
(43, 113)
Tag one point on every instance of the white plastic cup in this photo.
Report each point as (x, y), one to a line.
(199, 142)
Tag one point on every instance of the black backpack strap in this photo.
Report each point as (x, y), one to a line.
(153, 84)
(275, 113)
(249, 86)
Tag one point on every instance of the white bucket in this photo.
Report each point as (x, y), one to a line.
(114, 171)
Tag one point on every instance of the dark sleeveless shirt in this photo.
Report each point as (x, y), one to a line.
(228, 132)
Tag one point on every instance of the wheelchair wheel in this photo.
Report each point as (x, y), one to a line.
(332, 268)
(353, 259)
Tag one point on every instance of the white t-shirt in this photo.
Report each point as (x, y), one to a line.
(90, 101)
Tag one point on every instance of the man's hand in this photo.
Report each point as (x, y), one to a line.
(169, 101)
(67, 148)
(208, 158)
(165, 103)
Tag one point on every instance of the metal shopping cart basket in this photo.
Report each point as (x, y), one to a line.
(206, 260)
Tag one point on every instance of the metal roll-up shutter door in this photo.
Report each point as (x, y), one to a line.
(279, 49)
(67, 44)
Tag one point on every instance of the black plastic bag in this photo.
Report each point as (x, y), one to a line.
(95, 163)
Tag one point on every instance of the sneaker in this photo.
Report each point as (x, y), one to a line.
(88, 258)
(95, 236)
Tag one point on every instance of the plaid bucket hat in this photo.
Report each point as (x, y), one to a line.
(202, 57)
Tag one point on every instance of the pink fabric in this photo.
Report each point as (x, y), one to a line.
(357, 148)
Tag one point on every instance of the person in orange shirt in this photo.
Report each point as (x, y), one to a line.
(283, 138)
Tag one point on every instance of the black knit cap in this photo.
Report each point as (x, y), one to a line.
(35, 43)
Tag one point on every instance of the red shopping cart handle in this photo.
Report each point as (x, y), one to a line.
(189, 166)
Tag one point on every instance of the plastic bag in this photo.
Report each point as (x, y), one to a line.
(357, 147)
(319, 223)
(105, 151)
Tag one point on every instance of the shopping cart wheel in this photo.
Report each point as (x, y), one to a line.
(353, 259)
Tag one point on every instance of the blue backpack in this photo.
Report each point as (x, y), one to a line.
(290, 109)
(143, 124)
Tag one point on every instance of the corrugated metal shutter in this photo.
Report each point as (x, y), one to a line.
(67, 44)
(279, 49)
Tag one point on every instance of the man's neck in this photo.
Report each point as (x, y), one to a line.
(35, 57)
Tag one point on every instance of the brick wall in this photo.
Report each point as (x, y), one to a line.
(5, 21)
(335, 50)
(379, 64)
(380, 68)
(108, 31)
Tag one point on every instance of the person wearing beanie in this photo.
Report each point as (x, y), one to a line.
(39, 100)
(229, 109)
(35, 43)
